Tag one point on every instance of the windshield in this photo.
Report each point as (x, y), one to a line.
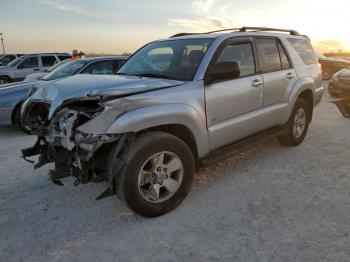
(57, 65)
(173, 59)
(64, 70)
(16, 61)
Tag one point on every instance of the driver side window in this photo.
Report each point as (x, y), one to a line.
(30, 62)
(242, 54)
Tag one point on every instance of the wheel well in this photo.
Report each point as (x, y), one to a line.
(180, 132)
(14, 111)
(308, 96)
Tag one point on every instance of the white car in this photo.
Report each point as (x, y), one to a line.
(22, 66)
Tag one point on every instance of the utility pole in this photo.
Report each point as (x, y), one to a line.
(2, 42)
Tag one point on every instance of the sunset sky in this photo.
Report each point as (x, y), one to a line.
(117, 26)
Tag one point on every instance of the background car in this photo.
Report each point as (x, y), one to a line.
(340, 83)
(331, 65)
(22, 66)
(6, 59)
(13, 95)
(37, 76)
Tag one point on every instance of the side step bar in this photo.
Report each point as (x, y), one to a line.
(241, 145)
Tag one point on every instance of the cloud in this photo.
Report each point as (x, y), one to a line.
(75, 9)
(210, 16)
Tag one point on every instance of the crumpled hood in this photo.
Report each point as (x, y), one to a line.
(100, 86)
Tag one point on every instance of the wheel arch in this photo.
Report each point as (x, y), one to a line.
(180, 131)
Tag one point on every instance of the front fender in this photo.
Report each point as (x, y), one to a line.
(160, 115)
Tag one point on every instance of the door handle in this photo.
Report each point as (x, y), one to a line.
(290, 76)
(256, 83)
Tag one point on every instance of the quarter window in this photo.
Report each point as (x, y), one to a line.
(242, 54)
(304, 50)
(268, 55)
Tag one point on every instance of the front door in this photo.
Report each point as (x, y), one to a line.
(234, 107)
(28, 66)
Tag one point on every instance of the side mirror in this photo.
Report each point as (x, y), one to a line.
(20, 66)
(223, 71)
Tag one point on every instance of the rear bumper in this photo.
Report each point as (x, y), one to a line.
(318, 95)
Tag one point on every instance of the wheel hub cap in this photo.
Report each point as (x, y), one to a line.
(299, 123)
(160, 177)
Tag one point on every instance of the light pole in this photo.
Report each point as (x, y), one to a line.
(2, 42)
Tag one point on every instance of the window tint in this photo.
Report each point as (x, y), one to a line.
(284, 59)
(48, 61)
(100, 68)
(304, 50)
(63, 57)
(268, 55)
(242, 54)
(30, 62)
(174, 59)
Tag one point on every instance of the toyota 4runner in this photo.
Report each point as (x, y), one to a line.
(174, 106)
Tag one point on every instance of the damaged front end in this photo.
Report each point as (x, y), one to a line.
(88, 157)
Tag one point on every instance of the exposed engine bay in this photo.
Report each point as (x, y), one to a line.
(73, 152)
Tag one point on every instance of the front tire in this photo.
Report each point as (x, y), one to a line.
(157, 174)
(297, 125)
(4, 80)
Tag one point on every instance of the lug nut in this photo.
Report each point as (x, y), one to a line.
(159, 169)
(165, 169)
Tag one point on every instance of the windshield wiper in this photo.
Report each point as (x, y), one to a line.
(154, 75)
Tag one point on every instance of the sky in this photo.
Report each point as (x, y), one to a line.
(120, 26)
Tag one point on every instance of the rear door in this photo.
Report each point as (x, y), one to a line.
(279, 78)
(234, 107)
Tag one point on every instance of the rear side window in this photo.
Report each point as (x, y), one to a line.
(63, 57)
(268, 55)
(284, 59)
(242, 54)
(101, 68)
(304, 50)
(48, 61)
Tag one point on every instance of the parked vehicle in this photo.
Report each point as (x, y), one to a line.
(340, 83)
(343, 105)
(37, 76)
(6, 59)
(22, 66)
(176, 104)
(331, 65)
(13, 95)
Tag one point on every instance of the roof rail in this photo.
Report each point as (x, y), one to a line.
(265, 29)
(242, 29)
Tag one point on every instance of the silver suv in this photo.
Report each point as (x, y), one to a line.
(25, 65)
(176, 105)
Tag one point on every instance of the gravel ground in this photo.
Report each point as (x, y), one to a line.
(270, 203)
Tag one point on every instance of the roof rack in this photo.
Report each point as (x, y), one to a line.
(243, 29)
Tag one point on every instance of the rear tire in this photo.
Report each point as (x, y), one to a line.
(297, 125)
(157, 174)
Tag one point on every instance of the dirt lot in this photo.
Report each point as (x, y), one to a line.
(270, 203)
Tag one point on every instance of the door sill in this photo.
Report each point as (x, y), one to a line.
(241, 145)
